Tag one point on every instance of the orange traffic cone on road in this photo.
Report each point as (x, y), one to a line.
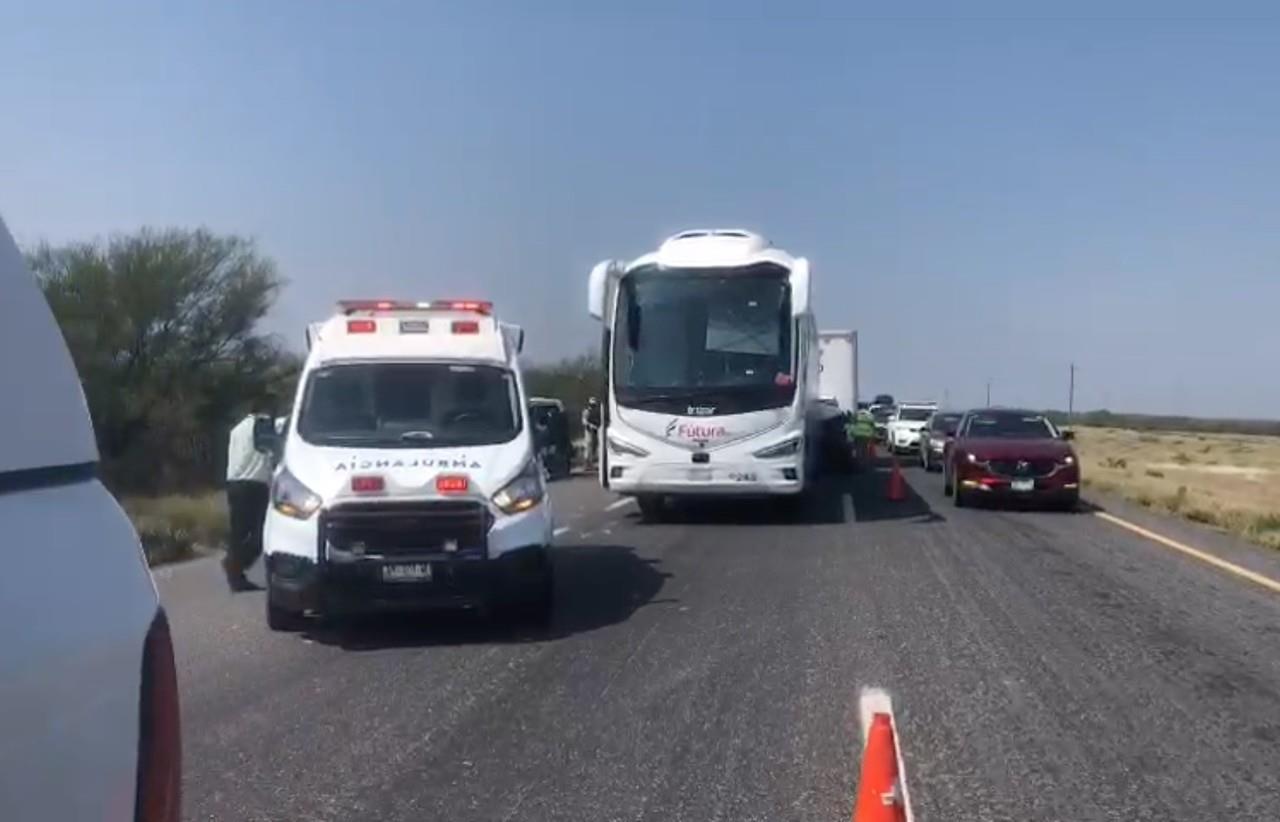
(879, 792)
(897, 490)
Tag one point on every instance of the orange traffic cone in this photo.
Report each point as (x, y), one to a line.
(879, 793)
(897, 490)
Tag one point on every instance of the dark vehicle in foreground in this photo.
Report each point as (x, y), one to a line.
(940, 428)
(1008, 454)
(551, 434)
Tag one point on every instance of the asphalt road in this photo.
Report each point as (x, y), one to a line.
(1043, 666)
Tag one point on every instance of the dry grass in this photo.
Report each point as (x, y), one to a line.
(1230, 481)
(177, 527)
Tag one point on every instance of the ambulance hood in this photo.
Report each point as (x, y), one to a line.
(409, 473)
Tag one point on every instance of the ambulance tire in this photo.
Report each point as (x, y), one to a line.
(532, 603)
(282, 619)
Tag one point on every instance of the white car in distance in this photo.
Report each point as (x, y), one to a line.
(902, 433)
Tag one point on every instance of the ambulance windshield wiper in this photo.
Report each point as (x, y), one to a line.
(414, 436)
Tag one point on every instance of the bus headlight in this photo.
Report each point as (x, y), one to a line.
(783, 449)
(620, 446)
(291, 498)
(523, 492)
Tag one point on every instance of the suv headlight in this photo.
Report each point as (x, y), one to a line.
(620, 446)
(523, 492)
(291, 498)
(783, 449)
(1068, 460)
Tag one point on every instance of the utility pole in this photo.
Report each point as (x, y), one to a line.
(988, 393)
(1071, 396)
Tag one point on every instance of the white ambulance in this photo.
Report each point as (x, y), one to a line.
(409, 476)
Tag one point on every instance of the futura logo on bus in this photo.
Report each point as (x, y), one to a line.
(695, 432)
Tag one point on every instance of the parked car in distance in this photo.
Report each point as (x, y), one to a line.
(940, 427)
(905, 427)
(1008, 454)
(551, 434)
(881, 414)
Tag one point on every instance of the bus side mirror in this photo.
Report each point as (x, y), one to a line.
(800, 288)
(598, 286)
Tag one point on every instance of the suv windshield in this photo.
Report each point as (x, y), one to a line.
(721, 336)
(915, 414)
(409, 405)
(1013, 426)
(945, 423)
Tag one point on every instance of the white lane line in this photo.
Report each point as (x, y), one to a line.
(1207, 558)
(616, 504)
(562, 530)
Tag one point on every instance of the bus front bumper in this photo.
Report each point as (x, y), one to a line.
(774, 478)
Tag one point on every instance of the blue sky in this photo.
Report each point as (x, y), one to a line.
(982, 197)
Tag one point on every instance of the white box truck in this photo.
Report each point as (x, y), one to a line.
(838, 368)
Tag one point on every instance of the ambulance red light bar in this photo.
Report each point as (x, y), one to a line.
(466, 327)
(474, 306)
(361, 326)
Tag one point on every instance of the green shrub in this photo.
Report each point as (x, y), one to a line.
(1151, 472)
(177, 527)
(1181, 458)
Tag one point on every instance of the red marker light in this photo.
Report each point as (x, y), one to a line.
(475, 306)
(452, 484)
(466, 327)
(361, 326)
(368, 484)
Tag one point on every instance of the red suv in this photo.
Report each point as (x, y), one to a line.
(1014, 455)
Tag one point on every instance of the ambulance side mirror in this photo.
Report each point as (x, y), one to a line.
(265, 438)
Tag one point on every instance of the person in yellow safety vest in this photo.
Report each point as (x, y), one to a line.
(862, 430)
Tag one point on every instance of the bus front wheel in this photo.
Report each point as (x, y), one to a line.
(651, 507)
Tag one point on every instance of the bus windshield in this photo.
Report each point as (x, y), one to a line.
(708, 336)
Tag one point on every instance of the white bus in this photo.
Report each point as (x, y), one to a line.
(711, 359)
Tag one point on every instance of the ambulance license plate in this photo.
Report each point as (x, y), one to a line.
(407, 572)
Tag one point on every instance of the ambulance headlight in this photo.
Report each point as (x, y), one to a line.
(291, 498)
(523, 492)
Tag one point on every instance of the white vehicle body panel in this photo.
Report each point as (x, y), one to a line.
(838, 368)
(76, 598)
(654, 451)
